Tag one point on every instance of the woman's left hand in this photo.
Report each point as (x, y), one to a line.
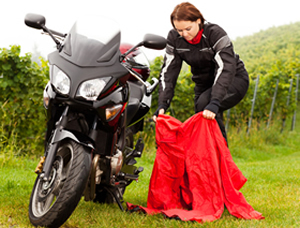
(208, 114)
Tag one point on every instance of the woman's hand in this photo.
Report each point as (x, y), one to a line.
(161, 111)
(208, 114)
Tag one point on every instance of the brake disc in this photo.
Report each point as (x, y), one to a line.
(54, 185)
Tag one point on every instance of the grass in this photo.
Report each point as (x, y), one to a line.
(269, 160)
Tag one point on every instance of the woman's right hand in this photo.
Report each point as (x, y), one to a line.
(161, 111)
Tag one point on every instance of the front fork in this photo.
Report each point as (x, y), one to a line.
(53, 145)
(58, 135)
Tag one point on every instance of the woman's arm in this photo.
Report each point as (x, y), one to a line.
(225, 67)
(169, 74)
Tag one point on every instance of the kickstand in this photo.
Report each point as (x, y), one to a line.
(113, 193)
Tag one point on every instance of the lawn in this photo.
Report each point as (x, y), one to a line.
(270, 161)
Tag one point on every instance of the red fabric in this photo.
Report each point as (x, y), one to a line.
(197, 38)
(194, 175)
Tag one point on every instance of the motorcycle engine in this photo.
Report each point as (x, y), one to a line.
(116, 162)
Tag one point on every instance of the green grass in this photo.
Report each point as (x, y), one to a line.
(269, 160)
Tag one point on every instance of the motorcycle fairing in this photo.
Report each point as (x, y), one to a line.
(75, 72)
(93, 41)
(138, 104)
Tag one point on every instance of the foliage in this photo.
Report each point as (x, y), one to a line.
(21, 87)
(273, 54)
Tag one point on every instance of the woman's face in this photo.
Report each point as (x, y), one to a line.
(187, 29)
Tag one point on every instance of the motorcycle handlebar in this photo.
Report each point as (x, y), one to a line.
(149, 88)
(57, 33)
(152, 87)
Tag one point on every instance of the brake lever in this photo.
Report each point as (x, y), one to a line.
(149, 88)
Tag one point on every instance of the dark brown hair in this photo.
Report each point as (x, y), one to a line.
(186, 12)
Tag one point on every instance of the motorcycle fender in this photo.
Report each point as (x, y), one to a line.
(64, 134)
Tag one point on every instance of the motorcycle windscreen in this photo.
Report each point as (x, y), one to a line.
(92, 41)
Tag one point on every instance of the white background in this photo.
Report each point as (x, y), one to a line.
(137, 17)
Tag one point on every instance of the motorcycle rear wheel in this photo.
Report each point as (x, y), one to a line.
(52, 203)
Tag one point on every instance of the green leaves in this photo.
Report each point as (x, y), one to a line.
(6, 67)
(272, 54)
(21, 91)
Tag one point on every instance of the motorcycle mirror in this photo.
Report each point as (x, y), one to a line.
(39, 22)
(154, 42)
(35, 21)
(150, 41)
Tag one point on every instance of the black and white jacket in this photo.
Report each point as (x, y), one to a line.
(213, 64)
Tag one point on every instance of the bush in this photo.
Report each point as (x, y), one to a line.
(21, 100)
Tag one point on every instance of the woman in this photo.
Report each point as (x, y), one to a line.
(221, 80)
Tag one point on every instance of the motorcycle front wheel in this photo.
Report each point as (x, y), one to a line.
(52, 202)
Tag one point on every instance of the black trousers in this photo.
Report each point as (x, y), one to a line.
(236, 92)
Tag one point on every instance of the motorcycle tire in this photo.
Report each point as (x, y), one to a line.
(52, 203)
(129, 138)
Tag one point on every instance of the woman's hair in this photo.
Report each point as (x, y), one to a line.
(186, 12)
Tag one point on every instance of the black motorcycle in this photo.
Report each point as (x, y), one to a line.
(96, 100)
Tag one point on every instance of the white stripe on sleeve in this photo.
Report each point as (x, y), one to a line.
(169, 59)
(220, 64)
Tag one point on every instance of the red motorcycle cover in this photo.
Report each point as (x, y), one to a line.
(194, 174)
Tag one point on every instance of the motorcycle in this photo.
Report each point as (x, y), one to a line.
(96, 99)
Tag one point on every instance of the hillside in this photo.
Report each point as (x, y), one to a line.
(275, 46)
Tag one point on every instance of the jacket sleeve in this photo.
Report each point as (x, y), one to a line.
(225, 63)
(169, 72)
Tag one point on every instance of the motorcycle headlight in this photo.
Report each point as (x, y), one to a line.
(91, 89)
(60, 81)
